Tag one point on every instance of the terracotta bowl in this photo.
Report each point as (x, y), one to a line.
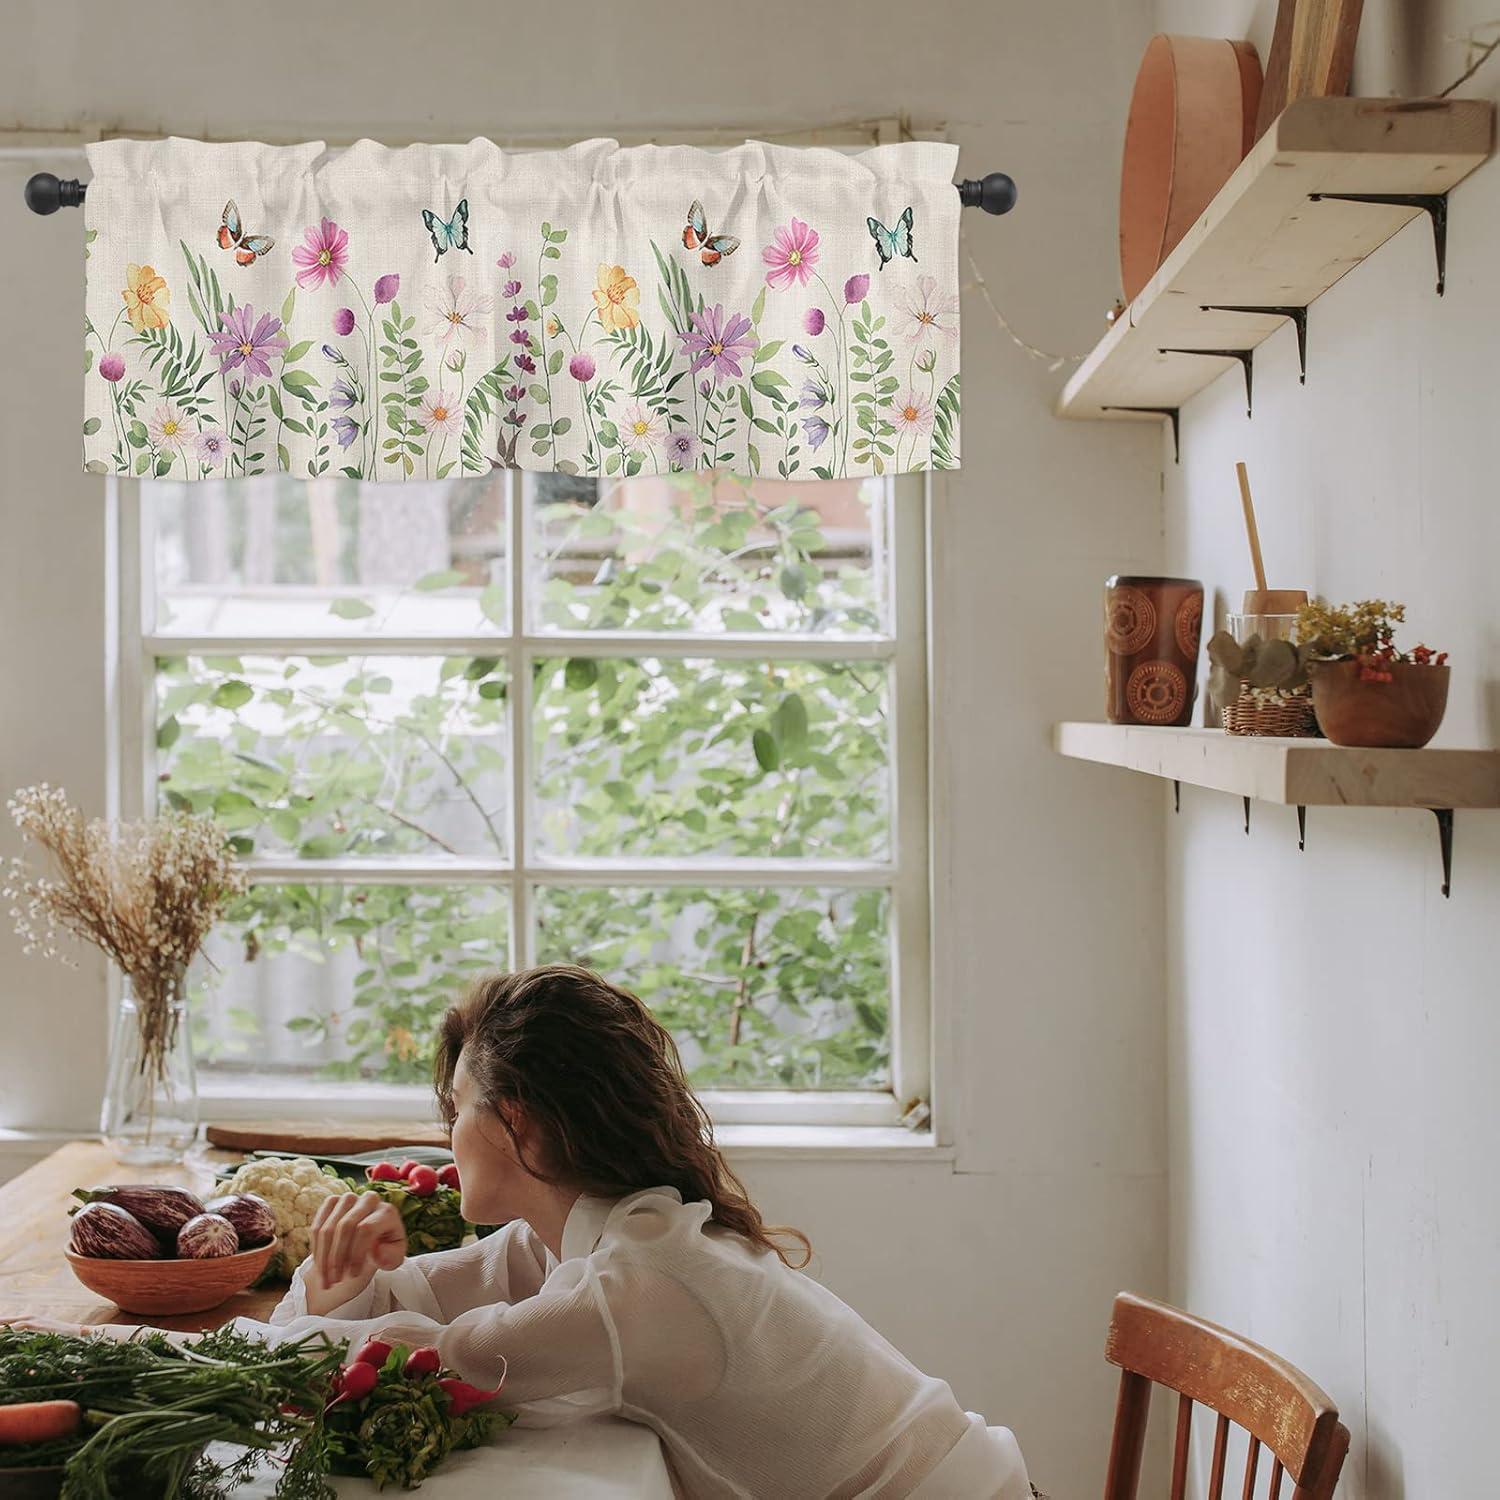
(1192, 119)
(170, 1286)
(1402, 714)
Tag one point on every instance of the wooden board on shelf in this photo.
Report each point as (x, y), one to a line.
(322, 1137)
(1312, 52)
(1262, 243)
(1298, 772)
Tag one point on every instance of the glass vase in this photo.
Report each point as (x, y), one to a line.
(150, 1110)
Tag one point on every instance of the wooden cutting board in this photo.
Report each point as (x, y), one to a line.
(322, 1137)
(1312, 54)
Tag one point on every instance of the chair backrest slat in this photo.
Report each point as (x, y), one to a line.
(1273, 1491)
(1252, 1462)
(1180, 1453)
(1131, 1413)
(1221, 1452)
(1243, 1384)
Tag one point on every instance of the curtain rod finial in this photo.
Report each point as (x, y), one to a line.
(995, 194)
(45, 194)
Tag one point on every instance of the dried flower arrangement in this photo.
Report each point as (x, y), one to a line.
(145, 893)
(1363, 632)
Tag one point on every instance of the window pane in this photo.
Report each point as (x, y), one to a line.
(684, 553)
(348, 980)
(747, 758)
(332, 757)
(779, 988)
(284, 556)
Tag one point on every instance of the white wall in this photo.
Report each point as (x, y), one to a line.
(1333, 1021)
(996, 1272)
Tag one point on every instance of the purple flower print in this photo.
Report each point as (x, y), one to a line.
(520, 336)
(581, 368)
(816, 430)
(322, 255)
(855, 288)
(518, 313)
(511, 289)
(346, 429)
(213, 447)
(814, 321)
(244, 340)
(514, 393)
(815, 395)
(342, 395)
(719, 343)
(681, 447)
(805, 355)
(505, 262)
(112, 367)
(386, 289)
(343, 321)
(527, 363)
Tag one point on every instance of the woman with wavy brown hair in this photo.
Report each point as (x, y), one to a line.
(633, 1274)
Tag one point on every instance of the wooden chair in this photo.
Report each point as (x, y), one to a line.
(1280, 1408)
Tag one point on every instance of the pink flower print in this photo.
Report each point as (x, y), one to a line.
(791, 256)
(322, 255)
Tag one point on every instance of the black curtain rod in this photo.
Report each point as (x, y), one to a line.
(45, 194)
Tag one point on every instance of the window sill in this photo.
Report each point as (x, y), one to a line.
(230, 1097)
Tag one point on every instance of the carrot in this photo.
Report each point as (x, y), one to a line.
(38, 1421)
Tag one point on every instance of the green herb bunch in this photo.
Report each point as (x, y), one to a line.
(405, 1427)
(150, 1409)
(433, 1222)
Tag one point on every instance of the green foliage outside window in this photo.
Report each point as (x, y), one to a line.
(644, 757)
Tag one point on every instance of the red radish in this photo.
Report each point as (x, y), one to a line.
(27, 1422)
(356, 1381)
(373, 1352)
(423, 1181)
(405, 1170)
(424, 1361)
(462, 1396)
(448, 1176)
(384, 1171)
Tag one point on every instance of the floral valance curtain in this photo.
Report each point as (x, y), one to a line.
(442, 310)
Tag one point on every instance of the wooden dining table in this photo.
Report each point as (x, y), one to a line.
(600, 1458)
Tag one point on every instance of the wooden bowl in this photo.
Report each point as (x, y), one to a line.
(1192, 119)
(170, 1286)
(1402, 714)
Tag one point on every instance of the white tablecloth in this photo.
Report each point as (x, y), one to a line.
(602, 1458)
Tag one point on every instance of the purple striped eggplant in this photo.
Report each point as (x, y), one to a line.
(163, 1210)
(251, 1215)
(103, 1231)
(206, 1237)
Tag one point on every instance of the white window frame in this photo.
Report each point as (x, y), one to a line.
(905, 874)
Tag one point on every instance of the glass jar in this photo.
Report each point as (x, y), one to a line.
(150, 1111)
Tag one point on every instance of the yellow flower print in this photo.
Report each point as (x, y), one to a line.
(146, 297)
(617, 296)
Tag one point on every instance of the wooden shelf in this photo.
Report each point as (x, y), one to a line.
(1297, 772)
(1262, 243)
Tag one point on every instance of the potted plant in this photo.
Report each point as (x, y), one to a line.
(1365, 692)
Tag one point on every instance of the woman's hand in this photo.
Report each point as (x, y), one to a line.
(353, 1236)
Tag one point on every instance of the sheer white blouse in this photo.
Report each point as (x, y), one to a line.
(759, 1381)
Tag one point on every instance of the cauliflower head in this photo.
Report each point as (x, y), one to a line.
(294, 1189)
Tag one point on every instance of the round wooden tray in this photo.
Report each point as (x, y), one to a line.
(1192, 119)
